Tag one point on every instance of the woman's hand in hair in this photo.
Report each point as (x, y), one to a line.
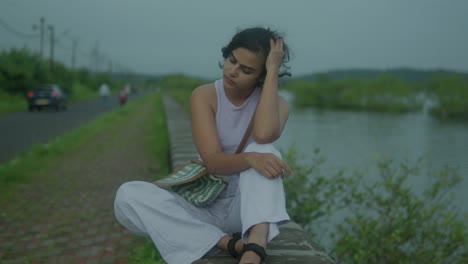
(275, 57)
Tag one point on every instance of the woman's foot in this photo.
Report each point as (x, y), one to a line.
(235, 245)
(250, 258)
(252, 254)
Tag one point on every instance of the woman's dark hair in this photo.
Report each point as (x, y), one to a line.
(257, 39)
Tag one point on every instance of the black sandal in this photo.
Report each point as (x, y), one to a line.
(257, 249)
(231, 246)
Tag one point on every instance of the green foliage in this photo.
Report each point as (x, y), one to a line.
(12, 103)
(451, 94)
(161, 138)
(387, 221)
(310, 194)
(22, 70)
(180, 87)
(384, 94)
(146, 254)
(81, 92)
(42, 156)
(391, 223)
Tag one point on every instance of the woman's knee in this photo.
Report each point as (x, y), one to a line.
(126, 193)
(262, 148)
(134, 192)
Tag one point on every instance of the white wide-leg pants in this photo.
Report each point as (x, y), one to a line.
(184, 233)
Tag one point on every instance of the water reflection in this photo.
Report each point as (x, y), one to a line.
(349, 139)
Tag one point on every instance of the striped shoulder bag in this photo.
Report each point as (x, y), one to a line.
(193, 182)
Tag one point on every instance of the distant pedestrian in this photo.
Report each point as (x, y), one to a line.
(122, 96)
(104, 91)
(128, 89)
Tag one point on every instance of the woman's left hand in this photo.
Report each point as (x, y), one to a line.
(275, 57)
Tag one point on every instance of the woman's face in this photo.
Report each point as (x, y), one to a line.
(242, 69)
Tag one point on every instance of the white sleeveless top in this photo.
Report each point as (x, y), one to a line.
(231, 123)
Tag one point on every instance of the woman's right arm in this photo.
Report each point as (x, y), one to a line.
(203, 110)
(205, 135)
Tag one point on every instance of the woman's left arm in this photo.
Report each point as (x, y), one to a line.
(272, 110)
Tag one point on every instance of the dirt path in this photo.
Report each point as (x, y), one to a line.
(66, 215)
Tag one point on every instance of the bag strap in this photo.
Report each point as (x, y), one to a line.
(246, 134)
(241, 144)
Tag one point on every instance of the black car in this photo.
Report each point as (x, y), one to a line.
(47, 96)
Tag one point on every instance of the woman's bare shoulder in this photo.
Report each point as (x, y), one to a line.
(205, 91)
(205, 88)
(204, 94)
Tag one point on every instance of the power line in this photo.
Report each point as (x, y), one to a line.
(97, 57)
(15, 32)
(61, 45)
(83, 53)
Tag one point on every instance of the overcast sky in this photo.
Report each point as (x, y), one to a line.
(160, 37)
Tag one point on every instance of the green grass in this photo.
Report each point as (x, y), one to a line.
(42, 157)
(18, 103)
(160, 139)
(82, 92)
(12, 103)
(147, 253)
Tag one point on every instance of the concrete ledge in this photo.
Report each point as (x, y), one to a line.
(292, 245)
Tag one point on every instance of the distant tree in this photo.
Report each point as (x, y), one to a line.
(20, 69)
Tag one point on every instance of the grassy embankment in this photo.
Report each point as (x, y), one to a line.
(43, 157)
(179, 87)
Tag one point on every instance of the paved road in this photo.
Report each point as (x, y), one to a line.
(65, 214)
(20, 131)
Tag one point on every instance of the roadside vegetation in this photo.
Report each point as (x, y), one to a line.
(42, 157)
(180, 87)
(22, 70)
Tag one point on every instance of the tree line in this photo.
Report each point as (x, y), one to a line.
(443, 95)
(22, 70)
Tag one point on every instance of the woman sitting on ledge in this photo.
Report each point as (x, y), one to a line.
(252, 206)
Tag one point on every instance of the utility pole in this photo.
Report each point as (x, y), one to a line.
(75, 43)
(52, 42)
(94, 59)
(109, 67)
(41, 34)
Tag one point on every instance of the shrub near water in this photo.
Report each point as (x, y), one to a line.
(387, 221)
(451, 95)
(383, 94)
